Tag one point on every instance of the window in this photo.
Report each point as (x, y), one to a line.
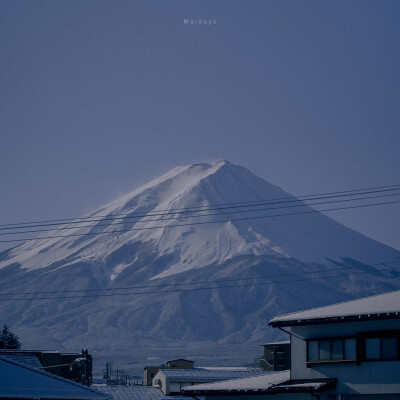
(312, 346)
(381, 347)
(350, 349)
(336, 349)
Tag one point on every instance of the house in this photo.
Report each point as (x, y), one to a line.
(346, 351)
(171, 381)
(73, 366)
(151, 371)
(276, 356)
(19, 381)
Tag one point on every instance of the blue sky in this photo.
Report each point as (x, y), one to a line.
(98, 97)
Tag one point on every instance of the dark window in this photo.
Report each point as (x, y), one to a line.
(312, 353)
(350, 349)
(385, 347)
(325, 349)
(389, 348)
(372, 349)
(337, 349)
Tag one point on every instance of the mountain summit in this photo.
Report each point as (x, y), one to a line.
(189, 214)
(200, 254)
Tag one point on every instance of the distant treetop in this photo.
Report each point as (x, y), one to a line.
(8, 339)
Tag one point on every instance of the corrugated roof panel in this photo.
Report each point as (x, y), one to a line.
(199, 373)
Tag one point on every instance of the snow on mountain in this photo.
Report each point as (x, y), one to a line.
(309, 237)
(148, 237)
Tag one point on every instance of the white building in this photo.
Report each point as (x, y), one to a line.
(346, 351)
(173, 380)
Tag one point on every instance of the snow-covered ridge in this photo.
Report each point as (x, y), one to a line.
(186, 243)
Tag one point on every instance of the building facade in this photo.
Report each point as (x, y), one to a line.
(346, 351)
(276, 356)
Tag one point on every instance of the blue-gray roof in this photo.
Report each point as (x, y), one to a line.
(137, 393)
(29, 360)
(20, 381)
(200, 373)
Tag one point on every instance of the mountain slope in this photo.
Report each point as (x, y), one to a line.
(309, 237)
(126, 244)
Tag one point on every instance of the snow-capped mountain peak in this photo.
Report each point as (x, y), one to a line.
(187, 215)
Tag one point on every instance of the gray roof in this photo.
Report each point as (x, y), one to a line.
(382, 306)
(17, 380)
(206, 374)
(136, 393)
(267, 383)
(29, 360)
(133, 392)
(275, 343)
(262, 381)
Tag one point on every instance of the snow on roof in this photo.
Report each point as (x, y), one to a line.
(260, 382)
(268, 382)
(17, 380)
(137, 393)
(275, 343)
(133, 392)
(386, 305)
(29, 360)
(28, 351)
(200, 373)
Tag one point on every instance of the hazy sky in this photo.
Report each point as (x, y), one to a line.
(98, 97)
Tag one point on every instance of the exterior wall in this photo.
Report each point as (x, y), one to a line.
(276, 357)
(367, 377)
(176, 386)
(160, 381)
(148, 375)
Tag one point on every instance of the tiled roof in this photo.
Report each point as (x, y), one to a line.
(382, 306)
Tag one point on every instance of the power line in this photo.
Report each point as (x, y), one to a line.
(376, 189)
(325, 270)
(189, 216)
(187, 290)
(198, 223)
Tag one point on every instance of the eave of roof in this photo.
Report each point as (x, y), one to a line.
(330, 320)
(381, 306)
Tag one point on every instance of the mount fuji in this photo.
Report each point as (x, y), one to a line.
(205, 242)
